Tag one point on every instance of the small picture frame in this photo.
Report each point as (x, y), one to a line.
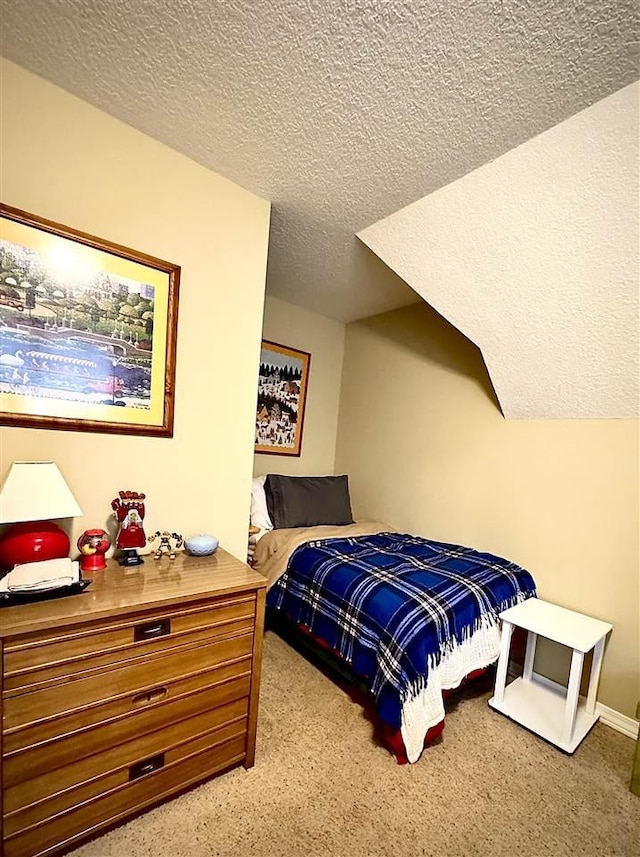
(282, 395)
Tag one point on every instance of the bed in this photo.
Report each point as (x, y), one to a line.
(410, 618)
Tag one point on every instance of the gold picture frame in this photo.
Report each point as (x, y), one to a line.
(282, 395)
(88, 331)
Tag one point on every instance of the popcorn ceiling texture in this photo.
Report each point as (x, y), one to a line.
(338, 111)
(534, 257)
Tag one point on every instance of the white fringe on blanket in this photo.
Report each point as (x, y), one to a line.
(424, 707)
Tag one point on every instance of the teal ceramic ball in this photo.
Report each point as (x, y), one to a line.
(201, 545)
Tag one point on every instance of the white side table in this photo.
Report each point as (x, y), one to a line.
(563, 718)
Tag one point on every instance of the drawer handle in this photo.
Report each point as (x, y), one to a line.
(146, 766)
(149, 696)
(151, 630)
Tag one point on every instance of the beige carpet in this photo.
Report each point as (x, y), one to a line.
(321, 787)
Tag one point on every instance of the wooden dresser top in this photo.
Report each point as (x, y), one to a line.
(118, 591)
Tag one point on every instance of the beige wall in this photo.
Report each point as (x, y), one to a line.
(428, 451)
(323, 338)
(66, 161)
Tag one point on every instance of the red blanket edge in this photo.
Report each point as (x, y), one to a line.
(392, 738)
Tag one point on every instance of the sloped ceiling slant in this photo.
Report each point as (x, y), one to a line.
(535, 257)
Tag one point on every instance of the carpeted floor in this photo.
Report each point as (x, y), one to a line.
(322, 787)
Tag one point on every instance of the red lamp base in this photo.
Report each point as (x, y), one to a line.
(32, 542)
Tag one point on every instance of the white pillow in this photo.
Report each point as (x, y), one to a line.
(259, 512)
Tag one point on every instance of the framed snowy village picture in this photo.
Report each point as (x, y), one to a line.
(87, 331)
(282, 393)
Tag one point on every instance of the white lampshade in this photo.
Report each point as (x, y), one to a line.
(36, 491)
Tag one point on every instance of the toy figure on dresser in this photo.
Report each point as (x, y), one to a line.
(129, 509)
(93, 545)
(165, 543)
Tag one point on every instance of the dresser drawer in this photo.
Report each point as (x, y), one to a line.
(31, 762)
(34, 800)
(42, 733)
(41, 658)
(121, 801)
(133, 679)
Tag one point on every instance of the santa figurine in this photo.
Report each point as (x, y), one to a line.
(129, 509)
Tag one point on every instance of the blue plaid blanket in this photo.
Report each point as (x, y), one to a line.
(391, 605)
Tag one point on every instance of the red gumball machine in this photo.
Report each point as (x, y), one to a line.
(93, 545)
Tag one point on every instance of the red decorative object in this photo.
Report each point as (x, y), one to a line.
(33, 541)
(93, 545)
(129, 510)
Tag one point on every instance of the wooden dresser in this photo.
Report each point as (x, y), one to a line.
(120, 697)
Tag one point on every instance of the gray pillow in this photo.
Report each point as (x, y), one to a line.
(308, 501)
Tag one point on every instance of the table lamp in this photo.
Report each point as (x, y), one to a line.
(34, 492)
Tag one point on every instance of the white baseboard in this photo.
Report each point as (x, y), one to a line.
(619, 722)
(609, 716)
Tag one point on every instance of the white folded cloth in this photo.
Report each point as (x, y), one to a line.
(39, 576)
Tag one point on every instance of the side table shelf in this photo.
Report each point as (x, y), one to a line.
(561, 717)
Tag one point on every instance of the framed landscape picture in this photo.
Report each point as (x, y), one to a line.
(282, 394)
(87, 331)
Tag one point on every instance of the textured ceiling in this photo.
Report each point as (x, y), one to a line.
(339, 111)
(535, 258)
